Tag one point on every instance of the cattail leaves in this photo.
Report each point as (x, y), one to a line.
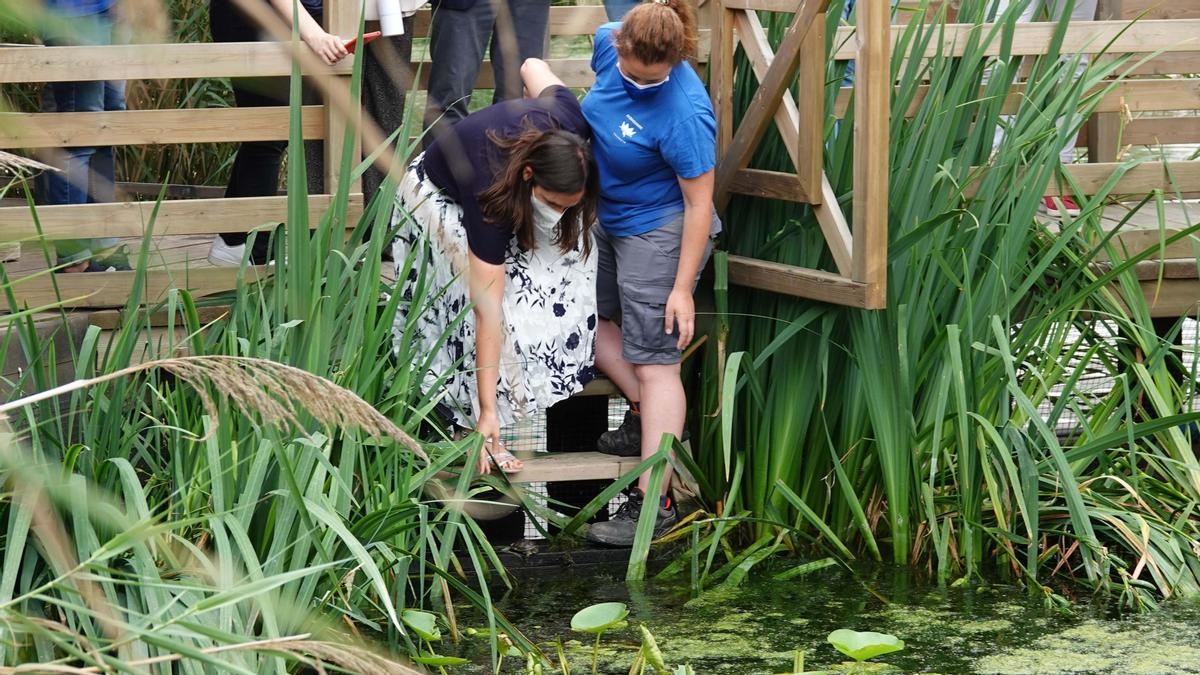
(963, 426)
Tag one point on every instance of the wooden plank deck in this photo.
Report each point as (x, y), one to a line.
(190, 251)
(564, 466)
(1170, 279)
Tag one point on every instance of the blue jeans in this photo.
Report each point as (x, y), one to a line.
(86, 174)
(457, 41)
(848, 78)
(616, 9)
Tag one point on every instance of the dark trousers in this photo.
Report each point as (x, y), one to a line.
(85, 174)
(386, 78)
(255, 171)
(458, 38)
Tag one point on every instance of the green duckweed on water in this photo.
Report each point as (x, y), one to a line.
(757, 628)
(1146, 645)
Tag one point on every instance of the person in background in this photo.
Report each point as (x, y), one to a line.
(86, 174)
(617, 9)
(654, 136)
(505, 251)
(386, 78)
(517, 29)
(1053, 10)
(255, 171)
(848, 17)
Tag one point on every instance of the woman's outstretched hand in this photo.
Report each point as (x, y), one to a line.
(489, 428)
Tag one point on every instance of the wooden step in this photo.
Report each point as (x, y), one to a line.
(601, 386)
(57, 338)
(561, 466)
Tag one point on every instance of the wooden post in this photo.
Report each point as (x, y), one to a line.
(720, 69)
(872, 117)
(1104, 129)
(767, 99)
(341, 19)
(810, 154)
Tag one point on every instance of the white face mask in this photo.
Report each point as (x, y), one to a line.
(638, 91)
(545, 221)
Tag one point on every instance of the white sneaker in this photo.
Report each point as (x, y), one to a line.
(224, 255)
(10, 252)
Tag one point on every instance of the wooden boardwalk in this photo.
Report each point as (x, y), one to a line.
(182, 251)
(1169, 278)
(186, 255)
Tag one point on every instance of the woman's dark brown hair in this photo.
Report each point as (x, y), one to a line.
(561, 162)
(658, 31)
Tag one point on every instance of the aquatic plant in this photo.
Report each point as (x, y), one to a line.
(921, 432)
(596, 619)
(864, 646)
(424, 625)
(650, 651)
(649, 658)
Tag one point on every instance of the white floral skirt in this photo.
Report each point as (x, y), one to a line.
(549, 306)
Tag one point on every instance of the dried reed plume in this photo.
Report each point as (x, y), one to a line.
(16, 165)
(313, 653)
(147, 21)
(273, 391)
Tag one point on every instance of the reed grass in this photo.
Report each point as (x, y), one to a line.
(285, 529)
(919, 433)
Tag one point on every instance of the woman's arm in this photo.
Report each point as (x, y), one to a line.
(537, 76)
(697, 225)
(486, 288)
(328, 47)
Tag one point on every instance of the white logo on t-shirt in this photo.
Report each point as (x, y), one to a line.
(626, 130)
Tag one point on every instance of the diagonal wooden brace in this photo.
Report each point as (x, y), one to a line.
(767, 99)
(802, 135)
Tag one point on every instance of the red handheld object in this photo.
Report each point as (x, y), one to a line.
(352, 43)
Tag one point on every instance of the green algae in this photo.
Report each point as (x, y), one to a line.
(1104, 646)
(757, 627)
(983, 626)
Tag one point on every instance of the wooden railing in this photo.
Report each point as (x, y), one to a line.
(1169, 84)
(1168, 33)
(1165, 87)
(859, 248)
(36, 64)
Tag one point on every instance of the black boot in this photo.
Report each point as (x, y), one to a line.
(621, 528)
(625, 440)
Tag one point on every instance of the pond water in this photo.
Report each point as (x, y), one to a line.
(757, 627)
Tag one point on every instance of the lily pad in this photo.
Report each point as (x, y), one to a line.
(863, 646)
(422, 623)
(439, 661)
(599, 618)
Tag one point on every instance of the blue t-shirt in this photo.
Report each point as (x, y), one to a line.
(79, 7)
(643, 147)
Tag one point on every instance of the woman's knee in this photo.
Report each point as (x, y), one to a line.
(650, 373)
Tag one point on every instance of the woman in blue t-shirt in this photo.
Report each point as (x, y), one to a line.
(497, 217)
(654, 136)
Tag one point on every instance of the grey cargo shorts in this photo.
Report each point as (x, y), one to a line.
(634, 278)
